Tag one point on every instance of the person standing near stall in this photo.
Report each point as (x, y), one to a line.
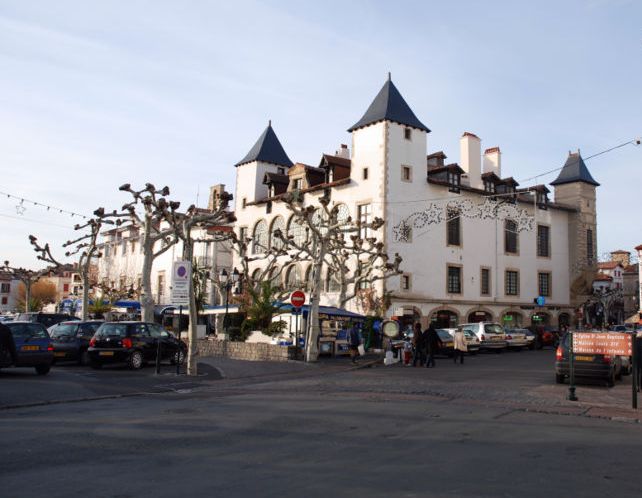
(459, 346)
(353, 342)
(419, 346)
(433, 343)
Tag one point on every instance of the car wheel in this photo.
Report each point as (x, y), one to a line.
(178, 357)
(610, 382)
(559, 378)
(43, 369)
(135, 361)
(83, 358)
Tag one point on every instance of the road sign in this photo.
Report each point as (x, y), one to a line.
(617, 344)
(541, 301)
(297, 298)
(181, 280)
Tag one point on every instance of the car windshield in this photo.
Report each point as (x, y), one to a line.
(493, 328)
(112, 329)
(64, 329)
(443, 334)
(469, 334)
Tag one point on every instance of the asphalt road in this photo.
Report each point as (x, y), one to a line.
(449, 431)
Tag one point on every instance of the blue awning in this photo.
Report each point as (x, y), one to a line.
(127, 303)
(329, 311)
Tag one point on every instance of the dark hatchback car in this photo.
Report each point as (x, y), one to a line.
(47, 319)
(28, 346)
(133, 343)
(586, 366)
(71, 340)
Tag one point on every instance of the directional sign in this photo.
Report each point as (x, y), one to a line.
(181, 280)
(297, 298)
(541, 301)
(617, 344)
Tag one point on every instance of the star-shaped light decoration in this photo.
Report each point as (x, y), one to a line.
(402, 232)
(525, 221)
(433, 214)
(20, 208)
(487, 209)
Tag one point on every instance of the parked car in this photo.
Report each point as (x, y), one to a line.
(71, 340)
(47, 319)
(472, 342)
(133, 343)
(586, 366)
(447, 342)
(28, 346)
(517, 338)
(619, 328)
(491, 335)
(545, 335)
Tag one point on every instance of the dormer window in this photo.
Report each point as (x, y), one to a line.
(407, 133)
(542, 200)
(271, 192)
(281, 171)
(489, 186)
(454, 181)
(297, 184)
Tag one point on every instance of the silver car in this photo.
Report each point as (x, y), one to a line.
(490, 335)
(517, 338)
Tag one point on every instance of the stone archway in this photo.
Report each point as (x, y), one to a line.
(444, 318)
(564, 320)
(479, 315)
(540, 318)
(512, 319)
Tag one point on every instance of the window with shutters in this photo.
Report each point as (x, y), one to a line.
(453, 227)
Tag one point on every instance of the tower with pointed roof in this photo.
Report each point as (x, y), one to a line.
(576, 187)
(266, 156)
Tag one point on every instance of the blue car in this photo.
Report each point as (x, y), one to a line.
(27, 345)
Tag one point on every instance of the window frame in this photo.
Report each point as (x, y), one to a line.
(548, 240)
(451, 221)
(514, 271)
(460, 279)
(514, 234)
(549, 283)
(487, 270)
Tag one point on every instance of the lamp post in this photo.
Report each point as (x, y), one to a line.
(227, 284)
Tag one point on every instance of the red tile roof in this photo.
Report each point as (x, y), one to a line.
(608, 265)
(602, 277)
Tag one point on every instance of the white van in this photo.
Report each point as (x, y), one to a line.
(490, 335)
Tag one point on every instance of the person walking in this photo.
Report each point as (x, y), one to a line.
(419, 346)
(7, 347)
(353, 342)
(459, 345)
(433, 344)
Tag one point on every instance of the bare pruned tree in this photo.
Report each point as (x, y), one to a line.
(26, 276)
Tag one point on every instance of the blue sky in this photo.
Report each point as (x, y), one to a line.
(96, 94)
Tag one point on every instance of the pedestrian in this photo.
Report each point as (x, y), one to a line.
(419, 346)
(433, 344)
(459, 346)
(7, 347)
(353, 343)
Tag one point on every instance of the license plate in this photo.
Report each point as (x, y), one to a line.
(496, 338)
(60, 355)
(584, 358)
(106, 353)
(30, 348)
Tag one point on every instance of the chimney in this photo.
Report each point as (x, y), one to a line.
(470, 158)
(493, 161)
(215, 194)
(343, 152)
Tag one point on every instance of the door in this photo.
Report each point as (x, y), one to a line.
(142, 340)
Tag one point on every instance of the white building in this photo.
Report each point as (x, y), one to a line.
(8, 292)
(490, 260)
(120, 267)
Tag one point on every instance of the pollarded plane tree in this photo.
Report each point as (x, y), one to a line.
(182, 226)
(340, 245)
(27, 277)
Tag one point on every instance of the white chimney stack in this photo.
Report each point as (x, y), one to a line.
(343, 152)
(470, 158)
(493, 161)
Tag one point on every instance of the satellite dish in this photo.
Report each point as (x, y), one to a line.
(390, 328)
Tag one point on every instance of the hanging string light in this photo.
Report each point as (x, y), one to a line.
(21, 207)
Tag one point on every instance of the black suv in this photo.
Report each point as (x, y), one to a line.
(133, 343)
(71, 340)
(586, 366)
(47, 319)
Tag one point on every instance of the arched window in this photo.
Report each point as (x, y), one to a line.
(275, 281)
(260, 238)
(293, 278)
(277, 224)
(342, 213)
(296, 230)
(256, 274)
(319, 220)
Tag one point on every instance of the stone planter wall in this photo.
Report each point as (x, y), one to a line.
(247, 351)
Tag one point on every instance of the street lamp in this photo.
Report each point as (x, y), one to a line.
(228, 284)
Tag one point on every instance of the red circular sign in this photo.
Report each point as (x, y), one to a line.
(297, 298)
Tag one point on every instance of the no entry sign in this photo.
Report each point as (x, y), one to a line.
(297, 298)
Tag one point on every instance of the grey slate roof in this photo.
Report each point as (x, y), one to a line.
(574, 170)
(267, 149)
(389, 105)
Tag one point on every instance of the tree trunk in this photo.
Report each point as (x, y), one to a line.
(311, 347)
(147, 300)
(27, 296)
(188, 251)
(85, 290)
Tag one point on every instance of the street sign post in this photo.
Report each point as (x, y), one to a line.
(180, 284)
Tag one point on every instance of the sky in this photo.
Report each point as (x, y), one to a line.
(97, 94)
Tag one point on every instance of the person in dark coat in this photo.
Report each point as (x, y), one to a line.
(7, 346)
(433, 344)
(353, 342)
(419, 346)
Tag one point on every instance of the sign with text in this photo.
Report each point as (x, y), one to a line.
(181, 279)
(297, 298)
(612, 343)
